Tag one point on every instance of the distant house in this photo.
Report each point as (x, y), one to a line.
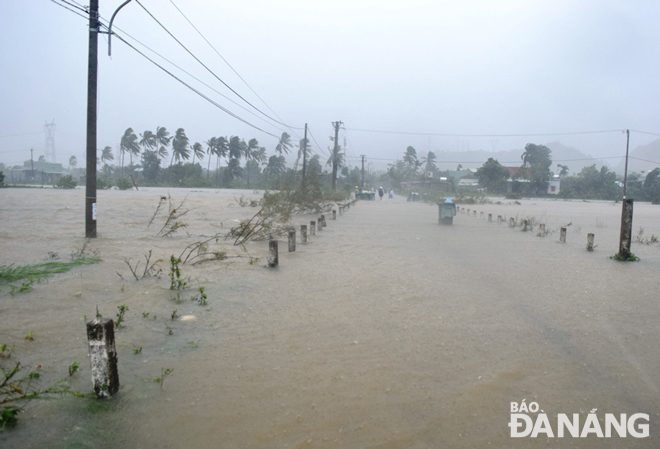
(519, 176)
(469, 180)
(438, 184)
(37, 172)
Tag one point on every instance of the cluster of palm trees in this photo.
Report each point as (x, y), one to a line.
(234, 149)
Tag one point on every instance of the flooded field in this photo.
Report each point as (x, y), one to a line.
(386, 330)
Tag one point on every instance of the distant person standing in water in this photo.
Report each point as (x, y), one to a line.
(381, 193)
(391, 193)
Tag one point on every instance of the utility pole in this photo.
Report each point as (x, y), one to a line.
(92, 67)
(304, 156)
(362, 186)
(335, 155)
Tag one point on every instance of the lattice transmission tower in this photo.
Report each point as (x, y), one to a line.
(49, 129)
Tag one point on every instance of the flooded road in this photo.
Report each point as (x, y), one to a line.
(386, 330)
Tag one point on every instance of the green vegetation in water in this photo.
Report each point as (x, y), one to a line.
(29, 274)
(66, 182)
(74, 368)
(120, 316)
(17, 388)
(631, 258)
(164, 373)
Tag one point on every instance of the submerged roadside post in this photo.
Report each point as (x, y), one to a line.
(273, 259)
(303, 233)
(103, 357)
(590, 242)
(334, 214)
(562, 235)
(312, 228)
(292, 240)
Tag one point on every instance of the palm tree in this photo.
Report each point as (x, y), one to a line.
(212, 144)
(163, 139)
(148, 141)
(235, 147)
(563, 170)
(255, 153)
(197, 151)
(429, 160)
(73, 162)
(336, 160)
(221, 150)
(276, 166)
(410, 158)
(284, 145)
(128, 144)
(180, 148)
(234, 169)
(303, 151)
(106, 155)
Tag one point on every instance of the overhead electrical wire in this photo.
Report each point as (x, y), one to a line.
(207, 68)
(193, 76)
(232, 68)
(68, 8)
(214, 103)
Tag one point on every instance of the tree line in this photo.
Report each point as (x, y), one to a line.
(161, 159)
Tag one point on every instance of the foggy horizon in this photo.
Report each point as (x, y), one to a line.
(408, 70)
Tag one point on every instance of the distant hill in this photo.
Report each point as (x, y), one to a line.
(574, 158)
(649, 152)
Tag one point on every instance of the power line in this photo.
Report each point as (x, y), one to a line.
(232, 68)
(214, 103)
(69, 9)
(645, 132)
(193, 76)
(643, 160)
(208, 69)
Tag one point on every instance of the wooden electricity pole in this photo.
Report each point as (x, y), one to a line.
(335, 155)
(92, 66)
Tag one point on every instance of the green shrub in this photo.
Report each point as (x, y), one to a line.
(513, 196)
(66, 182)
(124, 184)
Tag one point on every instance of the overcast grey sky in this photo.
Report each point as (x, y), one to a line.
(444, 67)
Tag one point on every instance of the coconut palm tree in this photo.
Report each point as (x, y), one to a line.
(148, 140)
(180, 149)
(128, 144)
(212, 144)
(163, 139)
(303, 151)
(106, 155)
(429, 162)
(221, 150)
(253, 152)
(73, 162)
(284, 145)
(234, 169)
(197, 151)
(410, 158)
(235, 147)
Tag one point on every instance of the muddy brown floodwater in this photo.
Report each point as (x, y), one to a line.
(387, 330)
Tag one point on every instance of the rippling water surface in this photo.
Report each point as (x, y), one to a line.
(387, 330)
